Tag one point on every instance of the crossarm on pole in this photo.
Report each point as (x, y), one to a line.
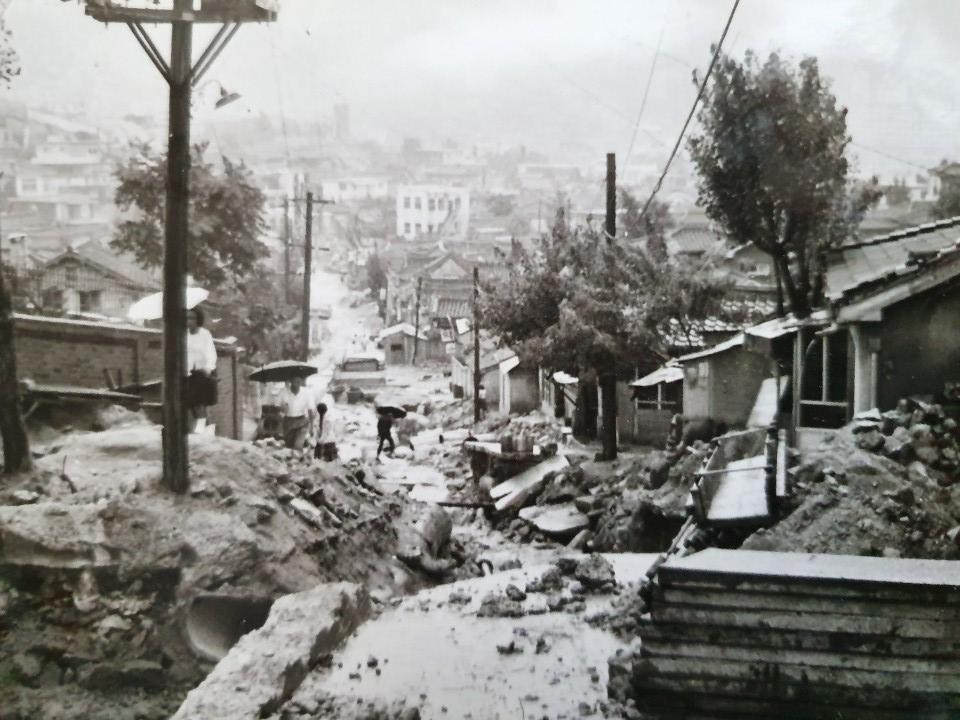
(216, 46)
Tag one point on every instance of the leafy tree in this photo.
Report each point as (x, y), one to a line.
(501, 205)
(596, 307)
(226, 215)
(651, 229)
(16, 446)
(254, 311)
(948, 203)
(13, 434)
(376, 275)
(773, 170)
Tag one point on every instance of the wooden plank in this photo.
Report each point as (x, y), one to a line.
(776, 679)
(821, 622)
(801, 640)
(806, 567)
(529, 477)
(214, 11)
(724, 652)
(741, 495)
(735, 600)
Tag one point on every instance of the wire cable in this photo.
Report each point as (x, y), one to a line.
(693, 109)
(643, 102)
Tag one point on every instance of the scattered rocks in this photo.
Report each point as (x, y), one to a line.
(595, 573)
(515, 593)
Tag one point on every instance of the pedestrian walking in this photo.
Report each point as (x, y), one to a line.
(298, 415)
(200, 390)
(384, 432)
(326, 448)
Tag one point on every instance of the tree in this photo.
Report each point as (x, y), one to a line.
(650, 229)
(772, 166)
(593, 306)
(376, 275)
(16, 446)
(948, 203)
(226, 215)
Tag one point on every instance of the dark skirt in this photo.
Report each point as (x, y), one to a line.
(200, 389)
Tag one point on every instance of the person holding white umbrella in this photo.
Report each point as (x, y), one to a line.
(201, 385)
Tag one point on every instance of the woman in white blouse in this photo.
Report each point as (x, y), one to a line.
(201, 387)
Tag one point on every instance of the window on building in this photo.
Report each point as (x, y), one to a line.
(89, 300)
(441, 202)
(419, 228)
(823, 392)
(406, 203)
(416, 203)
(429, 228)
(53, 299)
(71, 274)
(406, 228)
(431, 205)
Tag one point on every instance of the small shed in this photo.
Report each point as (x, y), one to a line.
(519, 386)
(398, 343)
(656, 398)
(721, 383)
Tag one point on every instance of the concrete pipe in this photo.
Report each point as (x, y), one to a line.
(216, 622)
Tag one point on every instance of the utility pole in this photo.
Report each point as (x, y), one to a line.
(476, 344)
(416, 326)
(181, 76)
(286, 250)
(175, 448)
(307, 270)
(608, 376)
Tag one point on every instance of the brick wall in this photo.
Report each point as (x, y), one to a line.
(73, 352)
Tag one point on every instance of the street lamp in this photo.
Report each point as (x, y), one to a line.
(225, 98)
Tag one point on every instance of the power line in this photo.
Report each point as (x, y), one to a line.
(283, 116)
(693, 109)
(643, 102)
(887, 155)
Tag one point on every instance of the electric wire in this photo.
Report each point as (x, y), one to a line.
(693, 109)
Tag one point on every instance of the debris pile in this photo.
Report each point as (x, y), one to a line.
(115, 593)
(916, 431)
(849, 500)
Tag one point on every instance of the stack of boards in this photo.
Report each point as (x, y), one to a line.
(745, 634)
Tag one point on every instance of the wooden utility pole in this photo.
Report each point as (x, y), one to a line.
(307, 271)
(180, 75)
(416, 322)
(175, 449)
(608, 375)
(13, 434)
(286, 250)
(476, 344)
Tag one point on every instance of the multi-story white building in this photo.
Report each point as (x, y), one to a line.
(425, 210)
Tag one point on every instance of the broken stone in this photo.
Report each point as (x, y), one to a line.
(510, 648)
(580, 540)
(134, 674)
(499, 606)
(308, 513)
(372, 662)
(891, 552)
(543, 646)
(26, 669)
(113, 623)
(24, 497)
(459, 597)
(550, 580)
(594, 572)
(300, 629)
(515, 593)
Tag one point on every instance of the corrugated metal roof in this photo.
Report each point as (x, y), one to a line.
(671, 372)
(852, 266)
(735, 341)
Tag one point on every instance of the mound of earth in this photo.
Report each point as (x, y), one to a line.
(117, 596)
(849, 500)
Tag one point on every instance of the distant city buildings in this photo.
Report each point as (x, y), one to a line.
(428, 210)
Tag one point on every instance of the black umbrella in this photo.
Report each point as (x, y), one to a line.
(396, 411)
(283, 371)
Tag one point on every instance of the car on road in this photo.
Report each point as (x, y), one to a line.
(361, 371)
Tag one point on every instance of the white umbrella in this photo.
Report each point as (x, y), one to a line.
(151, 307)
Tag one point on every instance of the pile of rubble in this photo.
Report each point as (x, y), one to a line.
(633, 504)
(916, 431)
(116, 596)
(849, 500)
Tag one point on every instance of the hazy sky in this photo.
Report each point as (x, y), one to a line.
(547, 73)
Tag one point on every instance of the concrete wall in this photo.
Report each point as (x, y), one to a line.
(919, 345)
(71, 352)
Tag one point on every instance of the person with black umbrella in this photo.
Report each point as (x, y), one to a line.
(384, 430)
